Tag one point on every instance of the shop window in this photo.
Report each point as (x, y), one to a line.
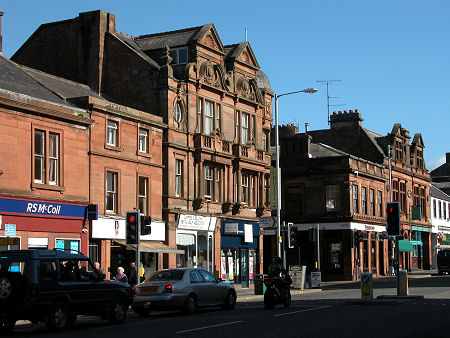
(143, 140)
(68, 245)
(187, 243)
(47, 153)
(332, 197)
(14, 246)
(355, 199)
(178, 178)
(143, 195)
(111, 192)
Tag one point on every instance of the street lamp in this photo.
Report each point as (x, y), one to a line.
(277, 146)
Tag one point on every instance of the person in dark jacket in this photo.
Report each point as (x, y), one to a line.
(279, 274)
(133, 276)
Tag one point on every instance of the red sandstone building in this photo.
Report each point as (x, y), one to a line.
(337, 180)
(215, 104)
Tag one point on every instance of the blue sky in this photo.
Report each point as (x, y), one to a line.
(391, 57)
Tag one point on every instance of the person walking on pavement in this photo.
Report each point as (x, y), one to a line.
(121, 277)
(133, 280)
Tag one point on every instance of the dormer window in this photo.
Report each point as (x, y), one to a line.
(419, 158)
(179, 55)
(398, 151)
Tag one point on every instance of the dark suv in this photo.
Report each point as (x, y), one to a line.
(55, 286)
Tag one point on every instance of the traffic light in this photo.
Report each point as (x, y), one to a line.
(146, 228)
(132, 226)
(292, 236)
(393, 218)
(359, 236)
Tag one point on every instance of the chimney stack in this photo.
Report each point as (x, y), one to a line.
(306, 127)
(1, 14)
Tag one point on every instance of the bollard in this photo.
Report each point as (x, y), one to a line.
(366, 286)
(402, 283)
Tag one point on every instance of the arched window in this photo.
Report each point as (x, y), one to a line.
(177, 112)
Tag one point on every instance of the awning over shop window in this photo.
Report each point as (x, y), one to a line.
(405, 246)
(150, 246)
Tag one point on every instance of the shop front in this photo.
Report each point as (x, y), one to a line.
(341, 251)
(44, 224)
(420, 239)
(108, 233)
(239, 251)
(195, 241)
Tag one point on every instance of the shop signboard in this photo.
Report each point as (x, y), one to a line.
(231, 228)
(194, 222)
(269, 231)
(267, 222)
(248, 233)
(114, 228)
(316, 279)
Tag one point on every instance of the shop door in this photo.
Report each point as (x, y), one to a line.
(244, 267)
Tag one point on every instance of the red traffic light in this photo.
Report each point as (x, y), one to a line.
(131, 219)
(390, 210)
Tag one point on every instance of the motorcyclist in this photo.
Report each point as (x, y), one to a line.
(279, 274)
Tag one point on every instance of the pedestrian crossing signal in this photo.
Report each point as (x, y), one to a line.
(393, 218)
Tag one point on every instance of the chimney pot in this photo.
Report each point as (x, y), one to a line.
(351, 111)
(345, 112)
(340, 112)
(356, 110)
(121, 33)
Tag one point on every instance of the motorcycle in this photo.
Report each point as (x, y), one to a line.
(275, 294)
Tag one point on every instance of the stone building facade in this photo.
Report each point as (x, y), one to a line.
(215, 104)
(337, 181)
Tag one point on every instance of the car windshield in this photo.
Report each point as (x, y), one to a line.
(166, 275)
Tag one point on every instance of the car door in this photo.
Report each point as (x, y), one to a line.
(198, 287)
(215, 293)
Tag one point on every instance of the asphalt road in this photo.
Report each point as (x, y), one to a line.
(333, 312)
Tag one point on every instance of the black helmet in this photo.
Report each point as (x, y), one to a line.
(277, 260)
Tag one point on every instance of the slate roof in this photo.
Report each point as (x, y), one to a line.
(15, 79)
(137, 49)
(437, 193)
(175, 38)
(62, 87)
(323, 150)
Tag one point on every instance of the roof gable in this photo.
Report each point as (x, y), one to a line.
(208, 36)
(418, 140)
(242, 52)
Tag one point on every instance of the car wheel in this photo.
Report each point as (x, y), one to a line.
(58, 317)
(142, 311)
(7, 325)
(230, 301)
(118, 312)
(191, 305)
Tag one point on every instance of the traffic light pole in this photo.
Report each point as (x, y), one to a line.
(138, 256)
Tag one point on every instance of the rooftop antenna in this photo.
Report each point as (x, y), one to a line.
(327, 82)
(245, 34)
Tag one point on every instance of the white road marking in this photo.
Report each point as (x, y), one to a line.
(207, 327)
(289, 313)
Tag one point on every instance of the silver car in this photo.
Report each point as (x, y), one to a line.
(185, 289)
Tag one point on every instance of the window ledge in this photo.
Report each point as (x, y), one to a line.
(43, 186)
(115, 148)
(140, 153)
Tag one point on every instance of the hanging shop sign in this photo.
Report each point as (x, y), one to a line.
(194, 222)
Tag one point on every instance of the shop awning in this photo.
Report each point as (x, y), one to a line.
(151, 246)
(405, 246)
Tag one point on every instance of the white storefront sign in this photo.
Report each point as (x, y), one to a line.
(248, 233)
(108, 228)
(194, 222)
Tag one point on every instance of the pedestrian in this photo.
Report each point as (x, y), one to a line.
(97, 267)
(133, 280)
(141, 273)
(121, 277)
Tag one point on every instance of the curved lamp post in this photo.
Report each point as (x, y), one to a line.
(277, 146)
